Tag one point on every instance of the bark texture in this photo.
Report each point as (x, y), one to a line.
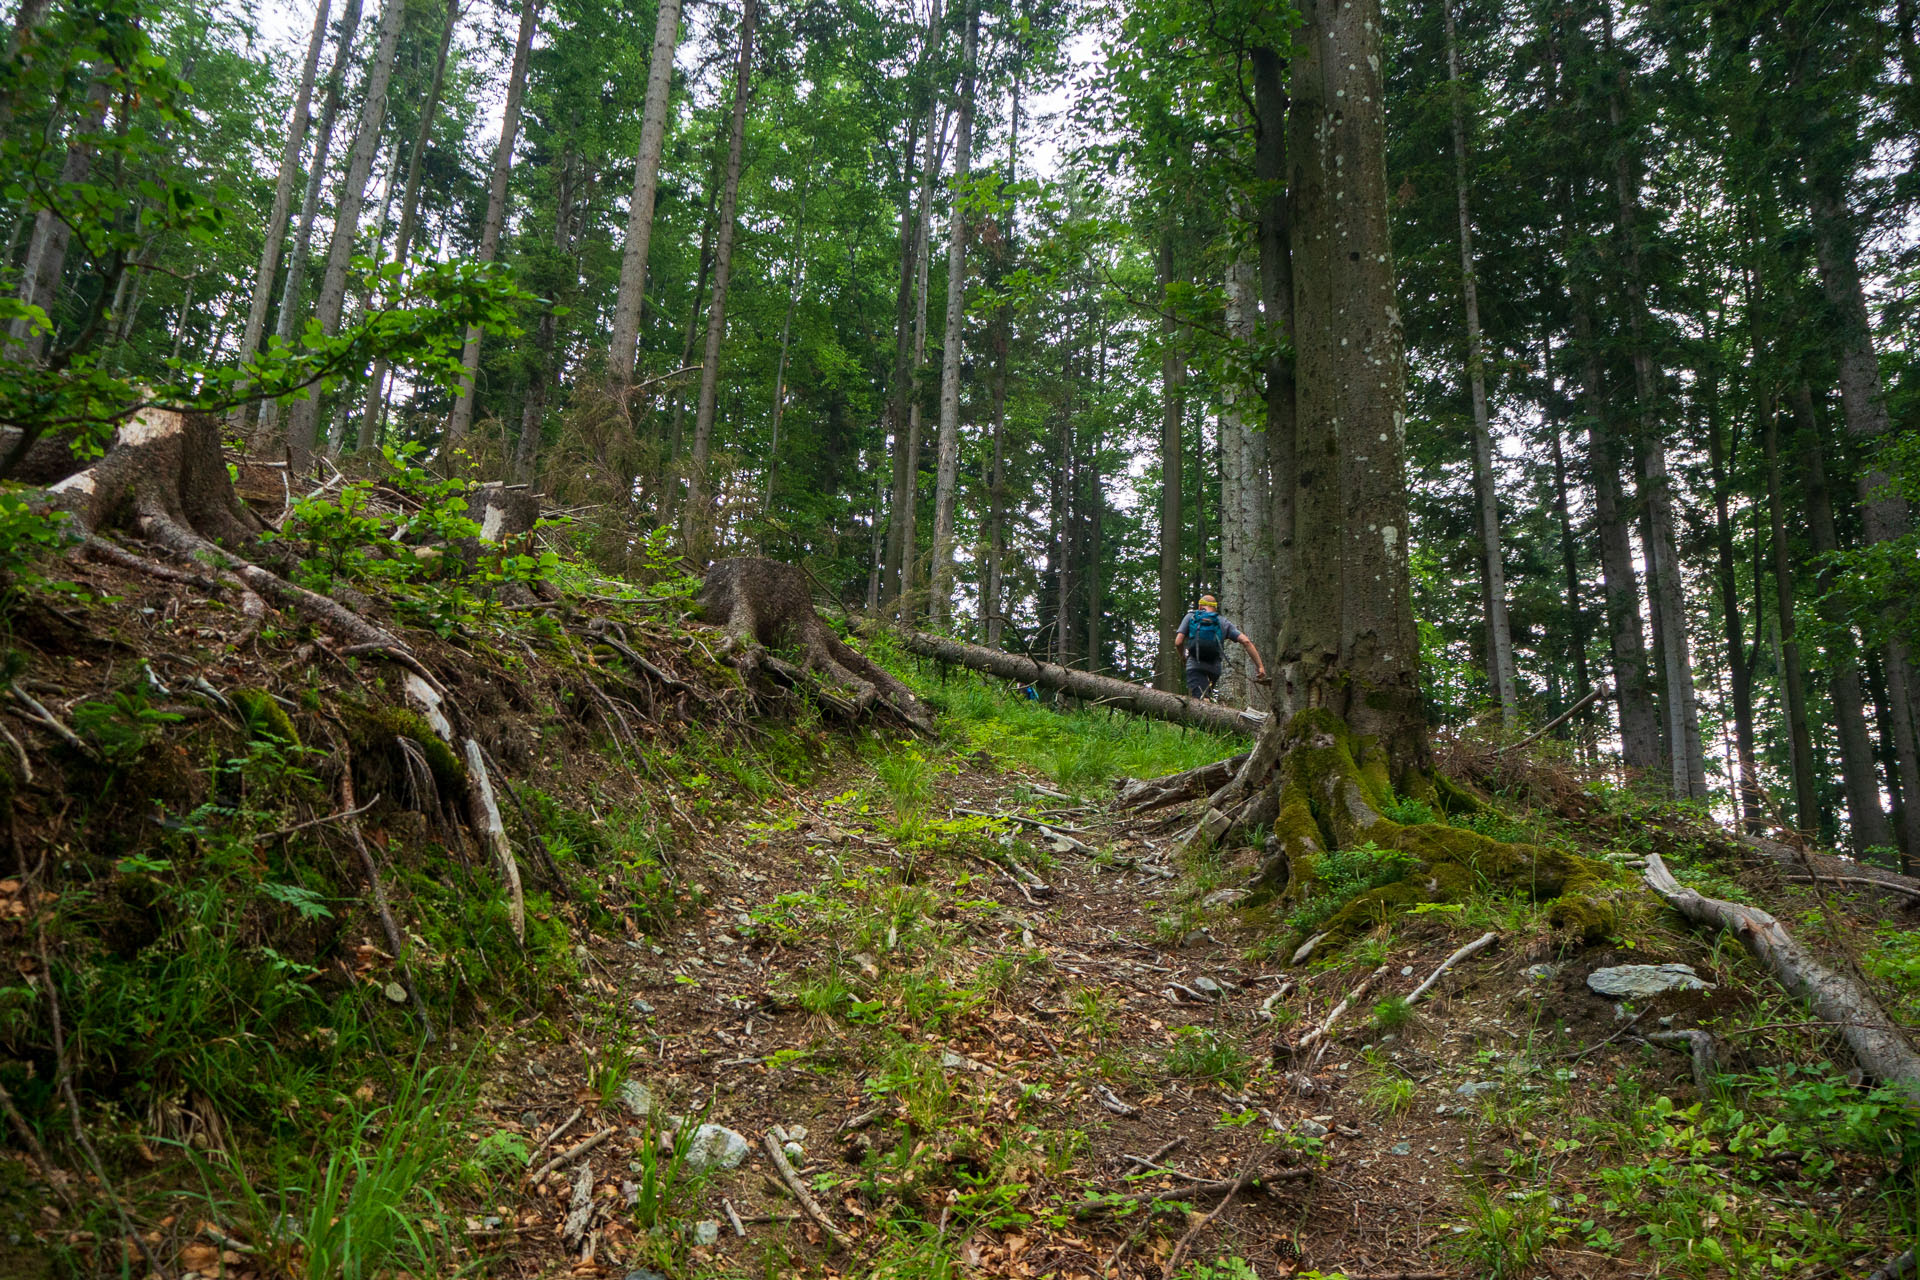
(947, 470)
(646, 183)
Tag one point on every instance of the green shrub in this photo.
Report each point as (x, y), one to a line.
(1406, 812)
(1341, 875)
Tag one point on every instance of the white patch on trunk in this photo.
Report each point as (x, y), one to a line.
(1389, 535)
(490, 527)
(78, 482)
(150, 425)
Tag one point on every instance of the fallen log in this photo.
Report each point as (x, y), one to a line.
(1088, 687)
(1876, 1043)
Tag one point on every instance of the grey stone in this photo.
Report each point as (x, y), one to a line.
(797, 1133)
(394, 992)
(1311, 1129)
(1541, 972)
(1474, 1088)
(706, 1231)
(1209, 987)
(644, 1274)
(952, 1061)
(641, 1005)
(715, 1147)
(1643, 981)
(636, 1098)
(1402, 1148)
(869, 965)
(1223, 897)
(794, 1152)
(1406, 970)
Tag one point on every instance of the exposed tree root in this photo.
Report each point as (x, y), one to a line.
(1882, 1051)
(1318, 786)
(764, 605)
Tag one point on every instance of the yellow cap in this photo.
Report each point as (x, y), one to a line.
(1208, 600)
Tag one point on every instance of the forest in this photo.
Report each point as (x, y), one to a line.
(537, 534)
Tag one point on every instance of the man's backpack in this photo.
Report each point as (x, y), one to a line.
(1205, 636)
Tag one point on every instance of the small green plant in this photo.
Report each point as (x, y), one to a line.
(665, 1188)
(1341, 875)
(1406, 812)
(1492, 824)
(1199, 1053)
(1387, 1090)
(1504, 1233)
(1392, 1013)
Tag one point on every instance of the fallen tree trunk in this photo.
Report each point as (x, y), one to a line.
(1877, 1044)
(1100, 690)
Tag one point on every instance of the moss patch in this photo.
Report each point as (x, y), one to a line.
(376, 726)
(265, 718)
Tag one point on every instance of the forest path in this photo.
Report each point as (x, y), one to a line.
(969, 1060)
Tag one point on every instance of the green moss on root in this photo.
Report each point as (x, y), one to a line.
(265, 717)
(376, 726)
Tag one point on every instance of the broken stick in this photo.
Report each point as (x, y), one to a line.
(801, 1196)
(1480, 943)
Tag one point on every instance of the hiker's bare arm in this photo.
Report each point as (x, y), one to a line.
(1258, 661)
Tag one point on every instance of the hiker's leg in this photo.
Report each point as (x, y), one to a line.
(1198, 682)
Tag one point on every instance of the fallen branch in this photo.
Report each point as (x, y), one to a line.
(281, 832)
(1864, 881)
(1479, 944)
(1109, 1203)
(801, 1196)
(1595, 1048)
(1876, 1043)
(1895, 1268)
(48, 720)
(1186, 1241)
(1358, 993)
(1599, 691)
(571, 1154)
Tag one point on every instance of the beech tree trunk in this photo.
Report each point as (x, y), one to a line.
(1500, 665)
(46, 258)
(1246, 552)
(409, 214)
(947, 469)
(266, 429)
(1273, 232)
(899, 387)
(994, 587)
(461, 420)
(265, 273)
(1168, 671)
(695, 522)
(625, 347)
(304, 416)
(1355, 652)
(1867, 821)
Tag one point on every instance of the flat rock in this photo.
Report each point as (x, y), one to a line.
(1474, 1088)
(706, 1231)
(1223, 897)
(636, 1098)
(1311, 1129)
(1541, 972)
(1208, 986)
(715, 1147)
(1402, 1148)
(1643, 981)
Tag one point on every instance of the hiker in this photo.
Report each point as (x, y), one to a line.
(1203, 635)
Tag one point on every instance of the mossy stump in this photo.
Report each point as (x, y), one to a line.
(1331, 789)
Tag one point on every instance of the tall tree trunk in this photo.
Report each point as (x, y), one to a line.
(909, 512)
(915, 216)
(993, 603)
(46, 258)
(1356, 651)
(1501, 673)
(796, 281)
(1245, 553)
(1806, 797)
(625, 347)
(1569, 554)
(1749, 802)
(1168, 671)
(1665, 591)
(409, 215)
(1884, 516)
(947, 470)
(269, 267)
(1639, 728)
(1272, 232)
(304, 416)
(694, 525)
(1867, 821)
(461, 420)
(266, 430)
(667, 455)
(545, 372)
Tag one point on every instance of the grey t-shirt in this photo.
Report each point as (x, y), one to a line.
(1228, 635)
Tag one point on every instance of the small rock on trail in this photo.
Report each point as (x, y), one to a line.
(1643, 981)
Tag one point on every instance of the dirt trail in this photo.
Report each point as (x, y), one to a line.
(997, 1055)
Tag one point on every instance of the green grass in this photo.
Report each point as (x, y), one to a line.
(1079, 749)
(1198, 1053)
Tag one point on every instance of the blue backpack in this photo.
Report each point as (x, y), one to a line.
(1205, 636)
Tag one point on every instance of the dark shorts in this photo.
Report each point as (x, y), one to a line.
(1200, 680)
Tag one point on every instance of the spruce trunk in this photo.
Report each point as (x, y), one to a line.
(947, 467)
(625, 347)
